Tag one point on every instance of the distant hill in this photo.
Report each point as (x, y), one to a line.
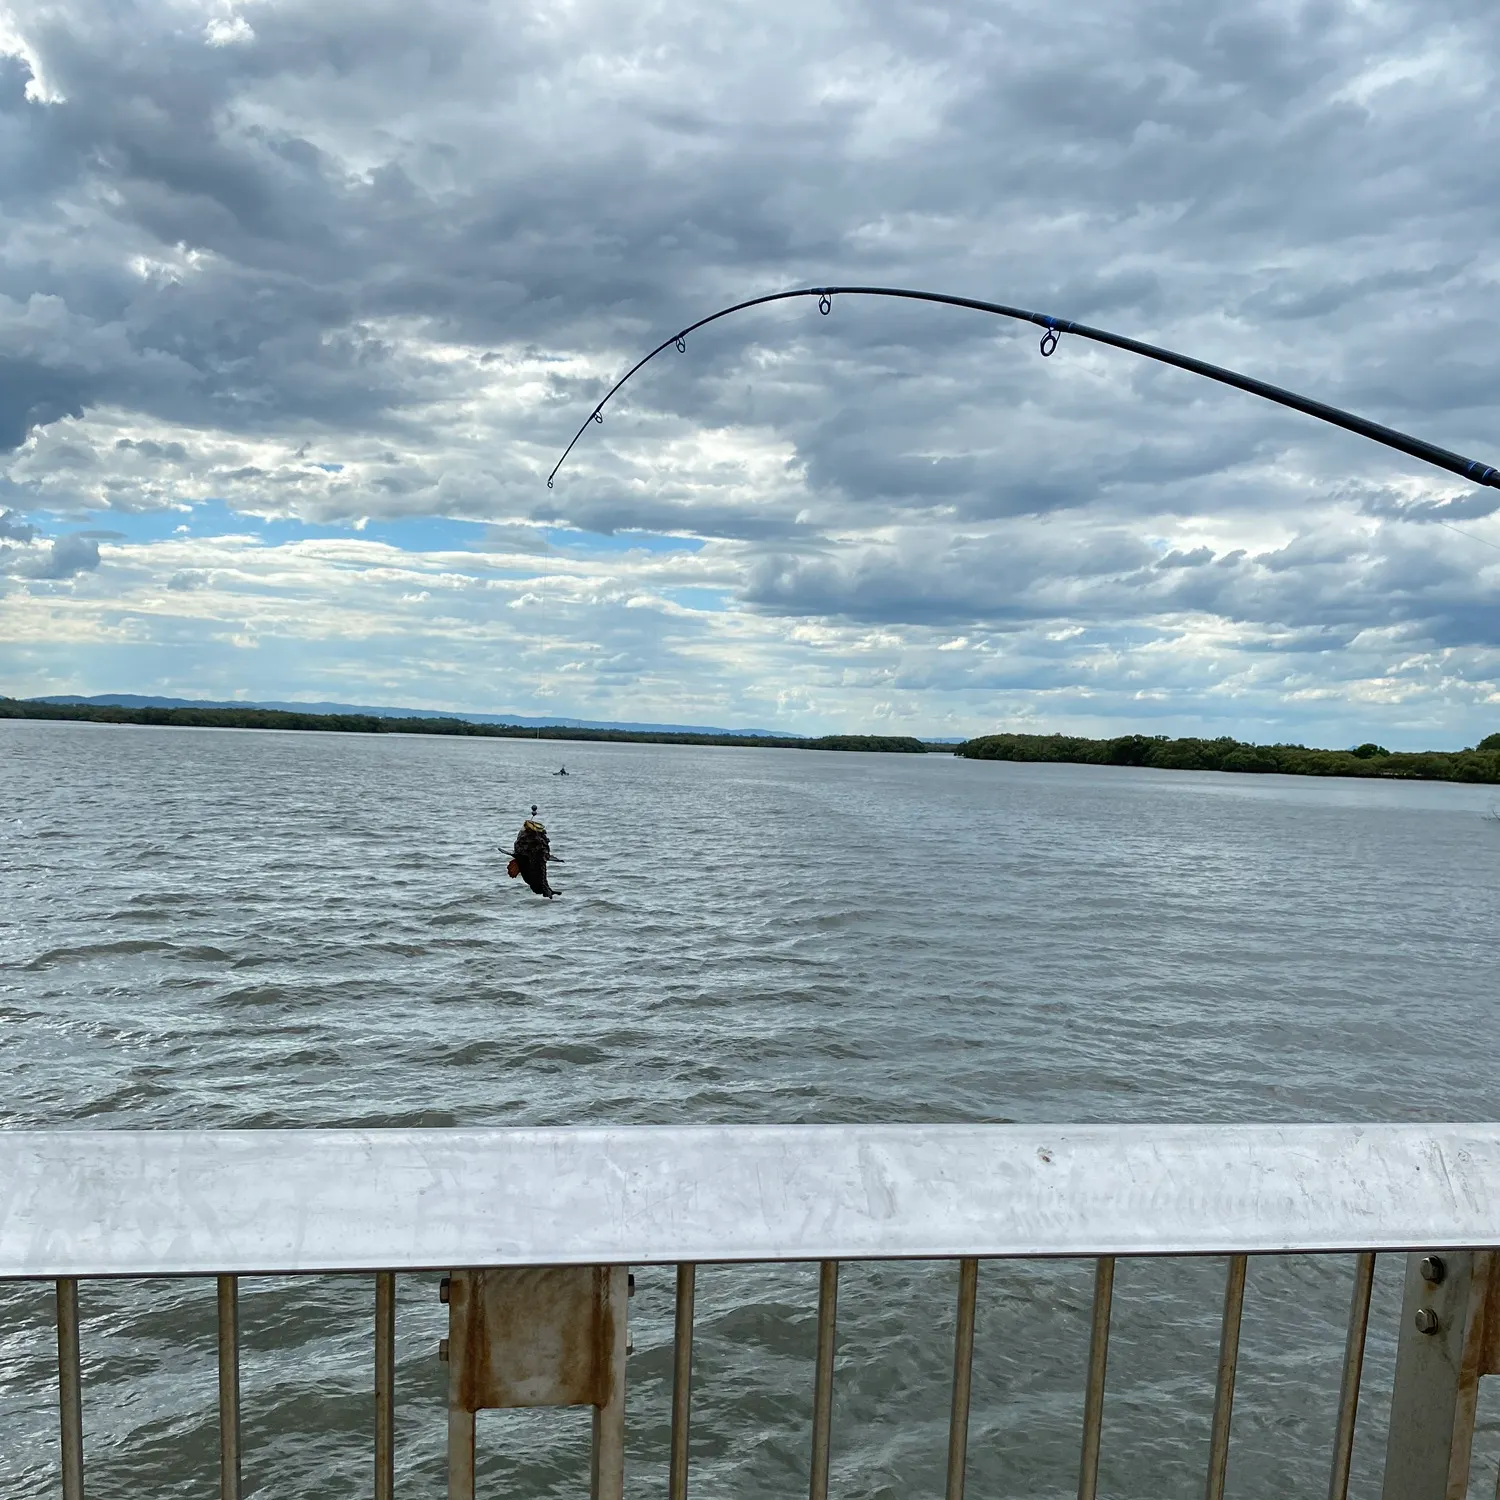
(523, 721)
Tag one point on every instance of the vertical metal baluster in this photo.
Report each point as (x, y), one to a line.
(682, 1382)
(1354, 1360)
(464, 1293)
(461, 1454)
(828, 1306)
(70, 1388)
(1093, 1395)
(963, 1372)
(1229, 1352)
(607, 1466)
(385, 1385)
(229, 1388)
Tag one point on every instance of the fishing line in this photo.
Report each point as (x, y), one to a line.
(1483, 541)
(1053, 329)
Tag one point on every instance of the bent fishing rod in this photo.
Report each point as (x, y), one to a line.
(1442, 458)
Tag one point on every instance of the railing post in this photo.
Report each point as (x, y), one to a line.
(529, 1336)
(70, 1388)
(460, 1454)
(1449, 1333)
(229, 1387)
(607, 1469)
(1229, 1355)
(963, 1378)
(682, 1382)
(1349, 1383)
(385, 1385)
(828, 1312)
(1093, 1396)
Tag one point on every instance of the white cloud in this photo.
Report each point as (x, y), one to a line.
(228, 31)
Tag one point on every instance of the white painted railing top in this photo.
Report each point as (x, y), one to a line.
(131, 1203)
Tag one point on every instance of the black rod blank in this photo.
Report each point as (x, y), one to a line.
(1442, 458)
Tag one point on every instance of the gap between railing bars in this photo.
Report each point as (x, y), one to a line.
(230, 1449)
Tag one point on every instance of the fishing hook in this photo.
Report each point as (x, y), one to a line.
(1442, 458)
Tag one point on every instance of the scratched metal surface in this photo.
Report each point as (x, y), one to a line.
(211, 930)
(152, 1203)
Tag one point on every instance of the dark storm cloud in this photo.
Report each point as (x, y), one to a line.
(68, 555)
(986, 580)
(1221, 119)
(235, 228)
(1194, 559)
(14, 529)
(63, 557)
(1469, 504)
(31, 394)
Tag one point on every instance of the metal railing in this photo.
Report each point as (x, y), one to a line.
(536, 1228)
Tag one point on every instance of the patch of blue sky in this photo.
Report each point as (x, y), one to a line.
(211, 518)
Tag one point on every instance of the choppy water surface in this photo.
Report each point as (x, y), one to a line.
(233, 928)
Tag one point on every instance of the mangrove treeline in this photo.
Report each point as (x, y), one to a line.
(273, 718)
(1481, 763)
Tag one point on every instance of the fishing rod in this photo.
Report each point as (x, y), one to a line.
(1442, 458)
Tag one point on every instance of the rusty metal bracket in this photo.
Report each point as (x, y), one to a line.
(538, 1336)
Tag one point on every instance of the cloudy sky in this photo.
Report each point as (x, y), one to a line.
(299, 303)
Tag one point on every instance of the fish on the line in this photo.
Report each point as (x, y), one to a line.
(530, 854)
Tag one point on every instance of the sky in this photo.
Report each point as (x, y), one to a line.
(300, 303)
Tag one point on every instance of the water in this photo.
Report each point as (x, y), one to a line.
(225, 928)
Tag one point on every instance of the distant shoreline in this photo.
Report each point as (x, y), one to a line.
(1370, 762)
(1479, 765)
(271, 718)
